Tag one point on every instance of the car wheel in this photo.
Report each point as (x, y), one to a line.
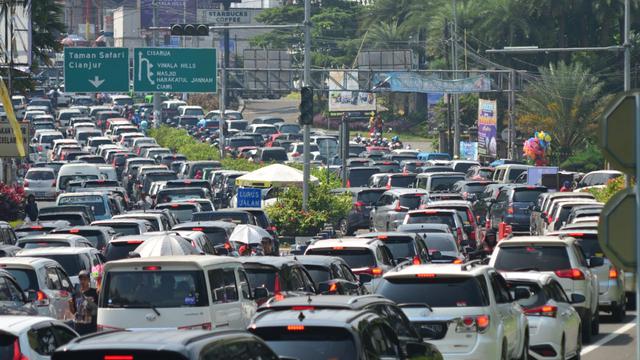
(578, 348)
(504, 351)
(595, 324)
(586, 329)
(619, 312)
(525, 348)
(563, 349)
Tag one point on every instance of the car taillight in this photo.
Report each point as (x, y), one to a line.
(295, 154)
(573, 274)
(118, 357)
(510, 210)
(546, 310)
(42, 299)
(416, 260)
(203, 326)
(613, 273)
(17, 352)
(348, 183)
(295, 328)
(472, 219)
(376, 271)
(25, 183)
(478, 323)
(549, 218)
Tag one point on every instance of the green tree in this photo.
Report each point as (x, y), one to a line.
(47, 26)
(566, 101)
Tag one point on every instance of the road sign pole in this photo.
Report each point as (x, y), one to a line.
(637, 234)
(306, 174)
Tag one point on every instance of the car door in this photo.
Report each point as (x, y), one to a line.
(225, 302)
(59, 304)
(506, 310)
(247, 299)
(566, 313)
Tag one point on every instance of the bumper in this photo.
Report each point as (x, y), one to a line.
(544, 335)
(485, 348)
(630, 282)
(41, 193)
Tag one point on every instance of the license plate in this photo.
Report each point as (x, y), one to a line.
(40, 194)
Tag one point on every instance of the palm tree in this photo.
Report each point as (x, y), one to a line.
(47, 26)
(564, 100)
(387, 35)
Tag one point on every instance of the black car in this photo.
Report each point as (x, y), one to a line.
(75, 218)
(99, 236)
(513, 205)
(281, 276)
(40, 228)
(363, 200)
(403, 246)
(166, 345)
(471, 189)
(217, 232)
(331, 275)
(340, 327)
(359, 176)
(86, 209)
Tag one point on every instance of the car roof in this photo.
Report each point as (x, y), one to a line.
(529, 276)
(437, 269)
(55, 251)
(25, 261)
(322, 317)
(435, 204)
(174, 260)
(543, 240)
(215, 223)
(427, 211)
(404, 191)
(318, 260)
(275, 261)
(330, 301)
(45, 237)
(120, 221)
(17, 324)
(345, 242)
(378, 235)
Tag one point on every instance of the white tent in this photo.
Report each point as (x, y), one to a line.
(276, 175)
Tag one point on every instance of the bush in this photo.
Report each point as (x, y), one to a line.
(11, 202)
(590, 159)
(612, 187)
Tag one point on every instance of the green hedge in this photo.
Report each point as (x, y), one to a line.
(286, 214)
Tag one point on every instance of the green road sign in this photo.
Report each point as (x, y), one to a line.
(617, 132)
(174, 70)
(617, 228)
(96, 69)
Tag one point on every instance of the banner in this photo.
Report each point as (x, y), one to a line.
(468, 150)
(487, 128)
(15, 136)
(417, 82)
(344, 94)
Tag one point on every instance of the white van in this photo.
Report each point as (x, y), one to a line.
(70, 172)
(508, 173)
(184, 292)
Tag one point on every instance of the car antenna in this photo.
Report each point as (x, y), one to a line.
(309, 300)
(301, 316)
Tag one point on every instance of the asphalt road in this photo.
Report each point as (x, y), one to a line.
(616, 341)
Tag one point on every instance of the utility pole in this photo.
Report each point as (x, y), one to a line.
(512, 109)
(157, 111)
(223, 99)
(456, 103)
(307, 82)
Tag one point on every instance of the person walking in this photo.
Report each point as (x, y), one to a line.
(85, 305)
(31, 208)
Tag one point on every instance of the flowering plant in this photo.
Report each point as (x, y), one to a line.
(11, 202)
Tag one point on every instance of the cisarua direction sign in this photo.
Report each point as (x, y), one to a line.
(96, 69)
(174, 70)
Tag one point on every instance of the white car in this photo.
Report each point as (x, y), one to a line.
(46, 283)
(295, 151)
(554, 325)
(72, 259)
(466, 311)
(562, 258)
(191, 111)
(33, 337)
(41, 183)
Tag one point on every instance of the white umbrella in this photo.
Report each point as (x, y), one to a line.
(249, 234)
(166, 245)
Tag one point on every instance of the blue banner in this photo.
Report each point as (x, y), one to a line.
(406, 81)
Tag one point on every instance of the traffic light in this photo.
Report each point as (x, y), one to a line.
(189, 30)
(306, 106)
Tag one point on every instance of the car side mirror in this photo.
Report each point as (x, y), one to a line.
(260, 293)
(31, 295)
(365, 278)
(577, 298)
(596, 261)
(521, 293)
(416, 350)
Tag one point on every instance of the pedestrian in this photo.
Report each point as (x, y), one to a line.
(245, 250)
(85, 305)
(267, 247)
(144, 125)
(31, 208)
(379, 125)
(566, 186)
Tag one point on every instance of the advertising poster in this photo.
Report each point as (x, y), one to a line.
(344, 94)
(468, 150)
(487, 128)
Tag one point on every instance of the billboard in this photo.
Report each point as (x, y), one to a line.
(468, 150)
(168, 11)
(487, 128)
(20, 17)
(344, 94)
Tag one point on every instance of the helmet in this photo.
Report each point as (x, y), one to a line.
(395, 138)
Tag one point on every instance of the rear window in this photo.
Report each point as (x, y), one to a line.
(355, 258)
(160, 289)
(369, 197)
(133, 353)
(436, 218)
(216, 236)
(179, 195)
(318, 273)
(590, 245)
(514, 173)
(274, 155)
(441, 243)
(412, 202)
(94, 201)
(40, 175)
(125, 229)
(314, 343)
(474, 188)
(444, 183)
(360, 177)
(6, 346)
(119, 250)
(528, 195)
(437, 292)
(26, 278)
(401, 247)
(221, 216)
(183, 212)
(43, 244)
(70, 263)
(402, 181)
(263, 277)
(73, 219)
(532, 258)
(241, 142)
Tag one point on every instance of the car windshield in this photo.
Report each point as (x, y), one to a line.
(401, 247)
(263, 277)
(532, 258)
(360, 177)
(436, 218)
(444, 183)
(65, 179)
(514, 173)
(355, 258)
(194, 112)
(462, 291)
(153, 288)
(40, 175)
(241, 142)
(26, 278)
(527, 196)
(70, 263)
(94, 201)
(124, 228)
(120, 249)
(318, 273)
(274, 155)
(314, 343)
